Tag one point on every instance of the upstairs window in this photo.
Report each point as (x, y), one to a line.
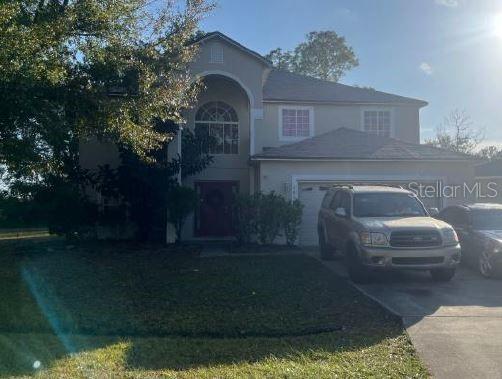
(377, 122)
(219, 121)
(295, 122)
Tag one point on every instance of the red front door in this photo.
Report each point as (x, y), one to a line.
(214, 216)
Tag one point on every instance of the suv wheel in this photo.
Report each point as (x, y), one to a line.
(358, 273)
(324, 250)
(443, 274)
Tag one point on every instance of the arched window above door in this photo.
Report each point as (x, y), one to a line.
(219, 120)
(216, 111)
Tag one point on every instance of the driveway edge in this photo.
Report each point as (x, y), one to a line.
(383, 305)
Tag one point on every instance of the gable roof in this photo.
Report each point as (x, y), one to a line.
(283, 85)
(490, 169)
(350, 144)
(220, 35)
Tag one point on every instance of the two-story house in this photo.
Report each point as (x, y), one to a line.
(295, 135)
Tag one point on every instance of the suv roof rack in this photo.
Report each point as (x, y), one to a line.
(388, 185)
(351, 186)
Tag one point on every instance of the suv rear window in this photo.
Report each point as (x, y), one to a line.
(387, 205)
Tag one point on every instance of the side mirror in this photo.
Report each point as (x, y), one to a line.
(433, 212)
(340, 212)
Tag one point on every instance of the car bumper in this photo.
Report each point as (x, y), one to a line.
(411, 259)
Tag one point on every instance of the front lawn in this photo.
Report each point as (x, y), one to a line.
(131, 312)
(6, 234)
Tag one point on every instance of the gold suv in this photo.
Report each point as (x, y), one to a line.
(379, 227)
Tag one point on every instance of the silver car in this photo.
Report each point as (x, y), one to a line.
(380, 227)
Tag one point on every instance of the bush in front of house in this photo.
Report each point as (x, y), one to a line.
(270, 208)
(292, 218)
(264, 217)
(245, 211)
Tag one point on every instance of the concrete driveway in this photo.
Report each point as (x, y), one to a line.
(456, 327)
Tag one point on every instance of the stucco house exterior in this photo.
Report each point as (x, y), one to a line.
(296, 135)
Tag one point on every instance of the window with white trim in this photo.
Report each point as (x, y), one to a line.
(377, 122)
(219, 121)
(296, 122)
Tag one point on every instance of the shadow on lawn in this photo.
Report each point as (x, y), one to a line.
(155, 307)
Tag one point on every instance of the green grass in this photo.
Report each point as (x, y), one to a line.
(130, 312)
(8, 234)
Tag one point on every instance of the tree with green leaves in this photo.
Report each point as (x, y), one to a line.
(324, 55)
(72, 68)
(114, 69)
(281, 59)
(184, 201)
(147, 192)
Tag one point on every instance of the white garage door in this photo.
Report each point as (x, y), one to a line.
(311, 195)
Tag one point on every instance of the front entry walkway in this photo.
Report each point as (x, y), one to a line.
(456, 327)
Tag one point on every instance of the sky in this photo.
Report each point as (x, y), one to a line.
(447, 52)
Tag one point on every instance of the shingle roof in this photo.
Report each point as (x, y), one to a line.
(493, 168)
(344, 143)
(283, 85)
(286, 86)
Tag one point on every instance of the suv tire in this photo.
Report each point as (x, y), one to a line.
(443, 274)
(324, 250)
(358, 273)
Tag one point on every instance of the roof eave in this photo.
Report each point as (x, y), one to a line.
(328, 159)
(229, 40)
(419, 103)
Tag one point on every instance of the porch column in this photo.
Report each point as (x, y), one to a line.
(254, 115)
(178, 136)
